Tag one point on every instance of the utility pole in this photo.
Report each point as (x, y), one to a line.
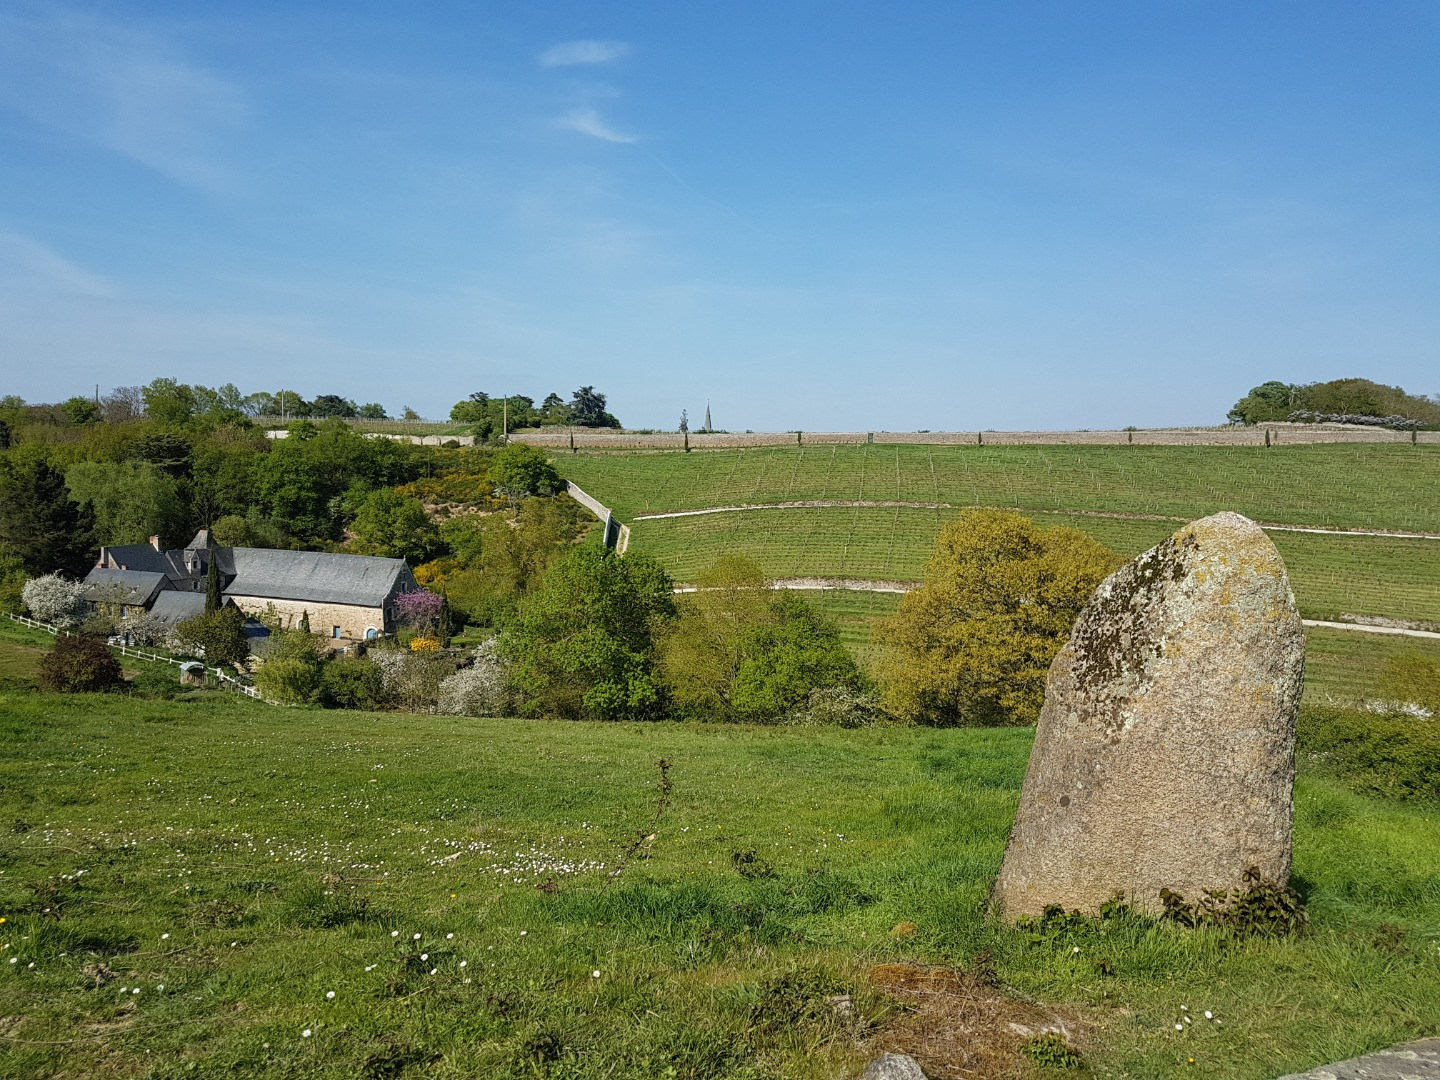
(505, 418)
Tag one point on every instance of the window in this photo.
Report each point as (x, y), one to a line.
(335, 631)
(371, 633)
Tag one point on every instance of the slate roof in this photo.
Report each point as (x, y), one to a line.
(145, 558)
(174, 607)
(130, 587)
(321, 577)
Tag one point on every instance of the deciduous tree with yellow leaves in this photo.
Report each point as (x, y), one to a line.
(973, 645)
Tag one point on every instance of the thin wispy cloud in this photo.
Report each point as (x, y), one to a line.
(587, 121)
(124, 89)
(569, 53)
(29, 262)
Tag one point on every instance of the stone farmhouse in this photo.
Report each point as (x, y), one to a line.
(345, 597)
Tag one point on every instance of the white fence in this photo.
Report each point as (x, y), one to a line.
(617, 536)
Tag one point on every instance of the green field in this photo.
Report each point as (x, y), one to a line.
(253, 860)
(1331, 575)
(1391, 487)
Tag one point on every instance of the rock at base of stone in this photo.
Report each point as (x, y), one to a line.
(1408, 1061)
(894, 1067)
(1165, 753)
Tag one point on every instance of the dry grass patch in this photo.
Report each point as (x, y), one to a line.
(964, 1025)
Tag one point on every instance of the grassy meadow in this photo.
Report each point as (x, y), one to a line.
(238, 864)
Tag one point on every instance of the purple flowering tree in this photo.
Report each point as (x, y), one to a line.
(420, 609)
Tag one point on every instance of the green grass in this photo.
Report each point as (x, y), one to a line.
(280, 850)
(1394, 487)
(1331, 575)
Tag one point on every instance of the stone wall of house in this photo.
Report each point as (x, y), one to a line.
(352, 620)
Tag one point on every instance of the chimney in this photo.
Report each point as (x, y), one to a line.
(155, 542)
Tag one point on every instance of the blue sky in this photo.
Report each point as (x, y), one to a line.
(823, 216)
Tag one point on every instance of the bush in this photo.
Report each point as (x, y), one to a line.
(352, 683)
(482, 689)
(973, 645)
(291, 672)
(412, 679)
(839, 706)
(288, 681)
(1395, 756)
(80, 665)
(55, 600)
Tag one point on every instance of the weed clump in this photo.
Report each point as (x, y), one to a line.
(1259, 907)
(1051, 1051)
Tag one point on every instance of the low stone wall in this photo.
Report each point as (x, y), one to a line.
(1278, 434)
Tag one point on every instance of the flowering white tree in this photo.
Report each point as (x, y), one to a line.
(478, 690)
(55, 600)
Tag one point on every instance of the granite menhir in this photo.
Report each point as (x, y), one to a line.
(1165, 753)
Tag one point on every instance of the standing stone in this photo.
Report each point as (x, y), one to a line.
(1165, 753)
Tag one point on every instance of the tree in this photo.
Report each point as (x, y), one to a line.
(553, 410)
(169, 403)
(587, 409)
(213, 599)
(684, 421)
(5, 436)
(395, 526)
(327, 405)
(520, 469)
(132, 500)
(55, 600)
(1271, 401)
(291, 669)
(582, 645)
(372, 411)
(218, 636)
(973, 645)
(40, 524)
(80, 410)
(80, 665)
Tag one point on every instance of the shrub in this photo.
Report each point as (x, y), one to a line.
(352, 683)
(482, 689)
(740, 650)
(1396, 756)
(288, 681)
(80, 665)
(973, 645)
(412, 680)
(290, 673)
(55, 600)
(839, 706)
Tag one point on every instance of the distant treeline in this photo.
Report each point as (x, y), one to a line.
(500, 415)
(1354, 401)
